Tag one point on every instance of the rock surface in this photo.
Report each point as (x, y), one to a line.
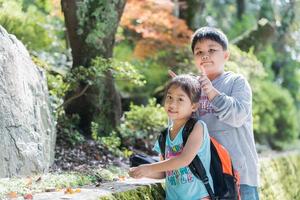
(280, 179)
(27, 128)
(131, 189)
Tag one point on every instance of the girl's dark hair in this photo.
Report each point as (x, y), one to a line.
(211, 34)
(189, 84)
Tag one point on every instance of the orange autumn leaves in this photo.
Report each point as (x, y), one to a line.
(31, 183)
(72, 191)
(154, 26)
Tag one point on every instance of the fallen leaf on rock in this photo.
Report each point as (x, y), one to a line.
(38, 179)
(78, 190)
(28, 182)
(69, 191)
(28, 196)
(12, 195)
(98, 184)
(122, 178)
(72, 191)
(50, 189)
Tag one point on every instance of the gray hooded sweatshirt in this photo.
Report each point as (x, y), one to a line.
(229, 120)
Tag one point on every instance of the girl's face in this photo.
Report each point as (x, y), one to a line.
(178, 105)
(210, 56)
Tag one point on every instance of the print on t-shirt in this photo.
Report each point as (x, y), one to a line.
(182, 175)
(205, 106)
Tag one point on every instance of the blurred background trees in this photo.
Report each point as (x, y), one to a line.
(90, 31)
(106, 56)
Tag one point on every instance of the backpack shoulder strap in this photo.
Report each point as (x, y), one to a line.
(162, 142)
(196, 165)
(198, 170)
(188, 127)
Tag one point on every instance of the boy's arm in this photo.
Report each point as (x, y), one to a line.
(188, 153)
(236, 108)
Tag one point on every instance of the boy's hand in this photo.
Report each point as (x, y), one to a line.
(139, 172)
(171, 73)
(207, 87)
(202, 70)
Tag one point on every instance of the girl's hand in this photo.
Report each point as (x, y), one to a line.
(207, 87)
(139, 172)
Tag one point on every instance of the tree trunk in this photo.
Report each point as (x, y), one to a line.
(191, 11)
(240, 8)
(91, 27)
(257, 38)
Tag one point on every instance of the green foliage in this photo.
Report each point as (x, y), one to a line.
(238, 27)
(143, 122)
(99, 18)
(111, 142)
(30, 26)
(153, 72)
(43, 5)
(274, 112)
(154, 68)
(57, 89)
(290, 74)
(275, 119)
(245, 63)
(120, 70)
(123, 50)
(267, 56)
(59, 85)
(279, 176)
(67, 127)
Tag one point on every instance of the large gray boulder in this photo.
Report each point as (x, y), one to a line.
(27, 128)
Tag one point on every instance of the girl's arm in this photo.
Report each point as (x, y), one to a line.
(154, 175)
(188, 153)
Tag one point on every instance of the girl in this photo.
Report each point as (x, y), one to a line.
(181, 100)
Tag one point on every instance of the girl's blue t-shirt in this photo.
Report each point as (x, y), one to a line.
(181, 183)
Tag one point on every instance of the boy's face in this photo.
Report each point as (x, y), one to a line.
(210, 57)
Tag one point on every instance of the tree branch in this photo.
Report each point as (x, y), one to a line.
(74, 97)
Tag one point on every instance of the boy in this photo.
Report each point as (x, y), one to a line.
(226, 106)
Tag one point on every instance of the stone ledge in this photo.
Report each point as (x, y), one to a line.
(280, 179)
(131, 189)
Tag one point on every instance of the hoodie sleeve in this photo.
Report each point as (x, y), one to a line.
(236, 108)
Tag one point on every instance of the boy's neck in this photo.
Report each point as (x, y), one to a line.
(212, 77)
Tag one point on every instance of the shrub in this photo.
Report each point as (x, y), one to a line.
(143, 123)
(29, 27)
(246, 64)
(274, 111)
(275, 120)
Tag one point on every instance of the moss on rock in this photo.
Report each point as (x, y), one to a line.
(146, 192)
(280, 177)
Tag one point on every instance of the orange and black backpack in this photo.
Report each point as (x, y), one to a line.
(225, 178)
